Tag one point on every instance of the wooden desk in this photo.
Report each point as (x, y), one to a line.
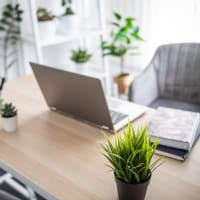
(63, 156)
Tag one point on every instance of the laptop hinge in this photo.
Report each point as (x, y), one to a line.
(52, 108)
(104, 127)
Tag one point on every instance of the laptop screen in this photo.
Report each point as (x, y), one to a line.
(74, 94)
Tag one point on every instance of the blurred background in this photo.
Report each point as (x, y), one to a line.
(160, 22)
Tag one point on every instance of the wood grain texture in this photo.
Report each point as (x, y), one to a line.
(63, 155)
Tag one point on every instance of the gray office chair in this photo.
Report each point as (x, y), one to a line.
(6, 196)
(172, 79)
(26, 191)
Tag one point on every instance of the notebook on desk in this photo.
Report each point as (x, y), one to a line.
(174, 128)
(82, 97)
(177, 131)
(175, 153)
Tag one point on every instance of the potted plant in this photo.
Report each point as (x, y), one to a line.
(130, 156)
(80, 57)
(125, 31)
(69, 21)
(9, 36)
(46, 24)
(9, 117)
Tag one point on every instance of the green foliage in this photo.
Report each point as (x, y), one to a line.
(69, 11)
(67, 5)
(10, 27)
(124, 32)
(65, 2)
(44, 15)
(117, 16)
(130, 154)
(8, 110)
(113, 49)
(80, 56)
(10, 20)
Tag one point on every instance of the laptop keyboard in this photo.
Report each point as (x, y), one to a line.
(117, 116)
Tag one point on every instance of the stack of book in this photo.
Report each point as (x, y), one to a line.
(177, 131)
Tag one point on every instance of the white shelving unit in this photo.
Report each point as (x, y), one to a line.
(59, 39)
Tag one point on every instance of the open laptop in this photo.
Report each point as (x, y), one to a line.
(83, 97)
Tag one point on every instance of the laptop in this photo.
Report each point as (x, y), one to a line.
(82, 97)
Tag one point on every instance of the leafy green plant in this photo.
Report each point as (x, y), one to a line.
(67, 5)
(8, 110)
(124, 32)
(130, 154)
(80, 56)
(10, 28)
(44, 15)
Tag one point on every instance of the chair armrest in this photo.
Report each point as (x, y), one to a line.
(6, 196)
(144, 88)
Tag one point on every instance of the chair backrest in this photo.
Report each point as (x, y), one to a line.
(178, 71)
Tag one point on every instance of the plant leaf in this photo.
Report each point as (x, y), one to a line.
(117, 16)
(115, 24)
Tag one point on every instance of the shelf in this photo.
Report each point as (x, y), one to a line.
(58, 39)
(87, 31)
(61, 38)
(27, 38)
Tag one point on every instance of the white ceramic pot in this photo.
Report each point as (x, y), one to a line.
(47, 29)
(9, 123)
(69, 24)
(81, 67)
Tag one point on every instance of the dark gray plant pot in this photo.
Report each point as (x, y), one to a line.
(128, 191)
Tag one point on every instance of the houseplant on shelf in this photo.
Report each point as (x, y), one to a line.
(10, 36)
(69, 20)
(124, 33)
(46, 24)
(130, 156)
(80, 57)
(9, 117)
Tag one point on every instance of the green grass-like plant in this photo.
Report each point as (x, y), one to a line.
(8, 110)
(130, 154)
(80, 56)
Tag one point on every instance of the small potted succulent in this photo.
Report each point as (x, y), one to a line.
(9, 117)
(130, 157)
(80, 57)
(69, 20)
(46, 24)
(125, 32)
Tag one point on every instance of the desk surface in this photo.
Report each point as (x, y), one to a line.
(63, 155)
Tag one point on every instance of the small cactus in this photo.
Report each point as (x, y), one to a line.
(8, 110)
